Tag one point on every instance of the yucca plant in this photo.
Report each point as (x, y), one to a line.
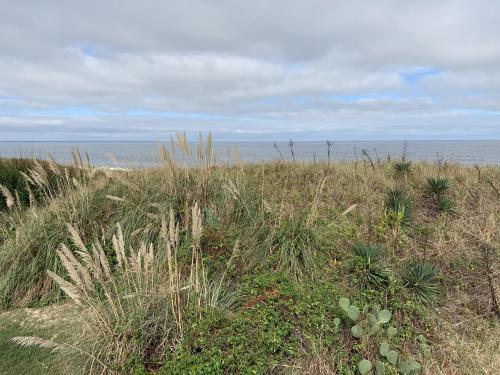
(399, 207)
(421, 279)
(402, 167)
(437, 186)
(372, 253)
(447, 205)
(369, 256)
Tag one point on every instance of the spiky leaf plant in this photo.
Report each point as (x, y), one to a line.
(372, 253)
(421, 279)
(402, 167)
(447, 205)
(399, 206)
(437, 185)
(369, 257)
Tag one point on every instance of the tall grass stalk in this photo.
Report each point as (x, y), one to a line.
(133, 297)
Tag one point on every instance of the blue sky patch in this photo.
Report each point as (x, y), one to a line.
(415, 75)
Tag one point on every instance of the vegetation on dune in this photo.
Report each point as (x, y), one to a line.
(399, 207)
(279, 268)
(420, 278)
(402, 167)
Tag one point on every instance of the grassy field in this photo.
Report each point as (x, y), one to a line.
(375, 266)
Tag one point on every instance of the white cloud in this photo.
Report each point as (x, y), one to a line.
(258, 67)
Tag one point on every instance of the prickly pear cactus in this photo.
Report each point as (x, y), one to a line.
(367, 324)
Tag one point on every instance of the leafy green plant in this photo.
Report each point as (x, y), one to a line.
(399, 207)
(437, 185)
(421, 279)
(368, 260)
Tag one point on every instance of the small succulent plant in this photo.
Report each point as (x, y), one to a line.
(403, 366)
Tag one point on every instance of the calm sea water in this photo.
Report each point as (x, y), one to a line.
(140, 154)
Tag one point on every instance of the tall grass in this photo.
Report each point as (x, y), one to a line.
(133, 309)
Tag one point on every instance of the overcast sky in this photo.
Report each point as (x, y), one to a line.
(249, 70)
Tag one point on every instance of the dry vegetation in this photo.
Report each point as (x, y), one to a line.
(238, 268)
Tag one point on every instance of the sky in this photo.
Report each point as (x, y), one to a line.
(249, 70)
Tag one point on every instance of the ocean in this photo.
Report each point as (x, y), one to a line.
(144, 154)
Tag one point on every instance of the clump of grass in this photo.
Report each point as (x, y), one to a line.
(437, 186)
(399, 207)
(421, 279)
(136, 309)
(26, 182)
(30, 250)
(295, 244)
(370, 257)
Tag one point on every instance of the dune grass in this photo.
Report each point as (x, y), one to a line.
(237, 268)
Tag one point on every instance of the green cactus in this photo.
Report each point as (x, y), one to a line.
(374, 328)
(409, 367)
(384, 348)
(391, 332)
(336, 323)
(414, 366)
(384, 316)
(392, 357)
(379, 368)
(353, 313)
(344, 303)
(367, 323)
(372, 318)
(364, 366)
(357, 331)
